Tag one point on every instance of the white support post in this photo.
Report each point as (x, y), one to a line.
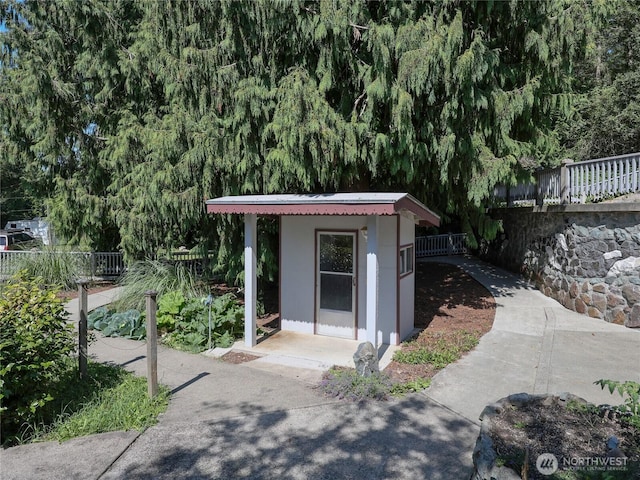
(372, 280)
(565, 182)
(250, 278)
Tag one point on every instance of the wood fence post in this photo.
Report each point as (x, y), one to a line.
(152, 344)
(82, 328)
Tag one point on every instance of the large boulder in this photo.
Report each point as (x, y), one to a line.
(629, 266)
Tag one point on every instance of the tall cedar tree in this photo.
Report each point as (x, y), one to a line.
(128, 114)
(606, 119)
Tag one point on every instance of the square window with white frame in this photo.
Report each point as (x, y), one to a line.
(406, 260)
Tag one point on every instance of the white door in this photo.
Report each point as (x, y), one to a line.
(336, 284)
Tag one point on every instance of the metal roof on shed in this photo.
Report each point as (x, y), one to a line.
(361, 203)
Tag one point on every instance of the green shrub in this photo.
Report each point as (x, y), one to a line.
(630, 392)
(169, 307)
(35, 341)
(191, 332)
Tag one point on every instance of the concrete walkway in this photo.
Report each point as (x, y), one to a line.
(535, 346)
(239, 421)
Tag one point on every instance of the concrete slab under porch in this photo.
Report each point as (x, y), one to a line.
(305, 351)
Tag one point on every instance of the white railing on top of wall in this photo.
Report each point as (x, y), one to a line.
(436, 245)
(578, 182)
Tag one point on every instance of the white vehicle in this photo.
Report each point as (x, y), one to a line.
(37, 227)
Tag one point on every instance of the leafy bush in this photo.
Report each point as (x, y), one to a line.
(191, 331)
(129, 324)
(169, 307)
(630, 392)
(347, 384)
(35, 341)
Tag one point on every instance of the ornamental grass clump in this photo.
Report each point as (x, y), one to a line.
(55, 268)
(159, 276)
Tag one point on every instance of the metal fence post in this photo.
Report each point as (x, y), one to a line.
(539, 195)
(152, 344)
(82, 328)
(93, 264)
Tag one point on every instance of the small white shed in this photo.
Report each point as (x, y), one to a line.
(346, 262)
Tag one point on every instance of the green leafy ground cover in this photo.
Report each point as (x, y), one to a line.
(189, 324)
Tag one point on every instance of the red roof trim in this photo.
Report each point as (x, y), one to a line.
(291, 205)
(308, 209)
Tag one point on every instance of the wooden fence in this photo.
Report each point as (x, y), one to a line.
(579, 182)
(436, 245)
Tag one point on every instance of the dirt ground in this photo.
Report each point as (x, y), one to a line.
(570, 432)
(450, 305)
(94, 287)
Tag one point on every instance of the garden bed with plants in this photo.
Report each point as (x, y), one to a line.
(453, 312)
(583, 440)
(192, 315)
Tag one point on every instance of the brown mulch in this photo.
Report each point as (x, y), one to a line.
(238, 357)
(449, 306)
(570, 432)
(96, 287)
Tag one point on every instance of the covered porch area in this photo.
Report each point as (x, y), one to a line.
(346, 269)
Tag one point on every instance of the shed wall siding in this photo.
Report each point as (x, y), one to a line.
(298, 271)
(407, 283)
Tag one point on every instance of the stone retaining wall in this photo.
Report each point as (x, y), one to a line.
(587, 257)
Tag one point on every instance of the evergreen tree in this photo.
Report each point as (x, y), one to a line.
(135, 112)
(606, 121)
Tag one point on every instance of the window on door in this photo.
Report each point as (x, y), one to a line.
(336, 284)
(336, 271)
